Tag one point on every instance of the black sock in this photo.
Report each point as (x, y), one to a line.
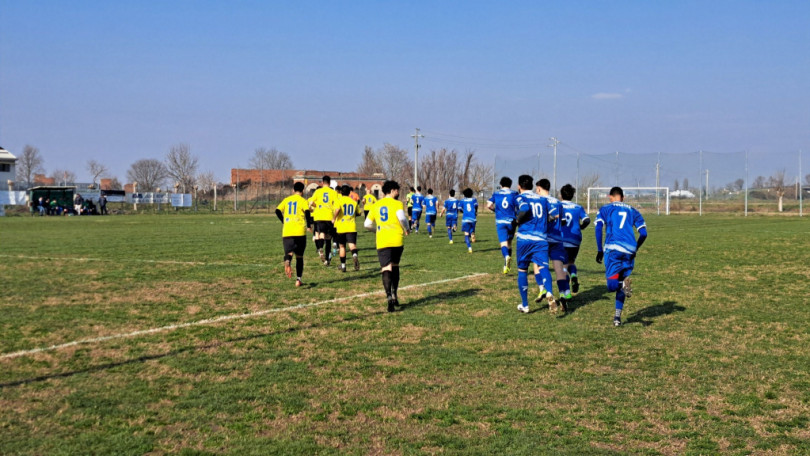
(394, 280)
(354, 252)
(386, 277)
(299, 267)
(319, 243)
(343, 260)
(287, 257)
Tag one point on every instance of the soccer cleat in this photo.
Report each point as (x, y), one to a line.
(343, 267)
(617, 321)
(391, 304)
(472, 237)
(506, 269)
(326, 262)
(469, 249)
(574, 284)
(563, 304)
(320, 254)
(508, 261)
(552, 303)
(627, 286)
(430, 236)
(522, 308)
(451, 241)
(356, 264)
(288, 269)
(298, 282)
(568, 295)
(541, 295)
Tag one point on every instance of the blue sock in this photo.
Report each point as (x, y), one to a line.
(450, 233)
(523, 286)
(430, 231)
(467, 240)
(619, 302)
(572, 270)
(544, 279)
(562, 286)
(504, 251)
(509, 251)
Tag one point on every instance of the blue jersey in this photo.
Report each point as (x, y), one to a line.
(430, 205)
(469, 209)
(505, 201)
(451, 207)
(536, 228)
(574, 215)
(417, 199)
(619, 220)
(555, 233)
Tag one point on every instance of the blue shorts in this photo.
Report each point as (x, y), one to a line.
(618, 264)
(416, 215)
(430, 219)
(531, 252)
(505, 232)
(468, 227)
(451, 222)
(556, 251)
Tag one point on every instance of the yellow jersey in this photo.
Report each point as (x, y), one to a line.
(368, 200)
(346, 216)
(389, 230)
(293, 210)
(324, 201)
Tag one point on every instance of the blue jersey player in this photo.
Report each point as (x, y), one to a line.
(469, 213)
(621, 246)
(431, 208)
(576, 220)
(556, 249)
(450, 210)
(503, 203)
(416, 214)
(533, 212)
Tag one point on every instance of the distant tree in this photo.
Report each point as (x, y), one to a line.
(759, 182)
(685, 183)
(115, 184)
(206, 181)
(270, 159)
(370, 163)
(182, 166)
(96, 169)
(29, 163)
(63, 176)
(807, 179)
(396, 165)
(777, 183)
(465, 169)
(676, 186)
(481, 177)
(588, 181)
(739, 184)
(439, 170)
(148, 173)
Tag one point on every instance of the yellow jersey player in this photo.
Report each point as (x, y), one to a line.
(368, 201)
(346, 228)
(391, 226)
(293, 211)
(323, 205)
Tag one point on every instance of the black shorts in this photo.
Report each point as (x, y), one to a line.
(347, 238)
(410, 211)
(324, 227)
(295, 244)
(389, 255)
(572, 253)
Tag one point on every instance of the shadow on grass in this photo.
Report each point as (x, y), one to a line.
(424, 301)
(645, 315)
(587, 297)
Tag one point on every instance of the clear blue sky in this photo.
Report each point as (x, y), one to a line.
(117, 81)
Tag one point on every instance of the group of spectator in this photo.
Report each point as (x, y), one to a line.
(81, 206)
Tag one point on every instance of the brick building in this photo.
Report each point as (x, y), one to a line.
(311, 178)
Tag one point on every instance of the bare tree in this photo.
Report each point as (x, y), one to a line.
(685, 184)
(777, 183)
(759, 182)
(115, 184)
(481, 177)
(370, 163)
(466, 167)
(149, 173)
(439, 170)
(395, 164)
(63, 176)
(96, 169)
(206, 181)
(677, 185)
(28, 164)
(592, 180)
(270, 159)
(182, 166)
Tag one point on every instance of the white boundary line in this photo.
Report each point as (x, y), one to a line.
(219, 319)
(133, 260)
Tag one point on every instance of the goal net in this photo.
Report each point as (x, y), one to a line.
(645, 199)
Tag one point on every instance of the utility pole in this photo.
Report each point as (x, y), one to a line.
(416, 137)
(553, 144)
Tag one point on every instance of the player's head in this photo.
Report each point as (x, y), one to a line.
(345, 190)
(525, 182)
(468, 193)
(390, 186)
(506, 182)
(430, 191)
(452, 192)
(326, 180)
(567, 192)
(298, 187)
(412, 189)
(544, 184)
(616, 194)
(418, 188)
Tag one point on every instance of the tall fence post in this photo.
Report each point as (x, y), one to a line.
(746, 183)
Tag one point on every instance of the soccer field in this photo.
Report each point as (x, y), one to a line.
(180, 334)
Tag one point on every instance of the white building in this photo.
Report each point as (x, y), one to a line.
(7, 167)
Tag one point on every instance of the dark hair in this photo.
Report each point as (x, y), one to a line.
(345, 190)
(525, 182)
(298, 186)
(567, 192)
(544, 184)
(452, 192)
(430, 191)
(389, 186)
(327, 179)
(412, 189)
(418, 188)
(617, 191)
(468, 193)
(506, 182)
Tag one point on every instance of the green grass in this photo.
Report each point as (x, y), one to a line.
(713, 358)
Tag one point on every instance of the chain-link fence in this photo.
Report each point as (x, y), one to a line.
(698, 182)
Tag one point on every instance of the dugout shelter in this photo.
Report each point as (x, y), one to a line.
(63, 195)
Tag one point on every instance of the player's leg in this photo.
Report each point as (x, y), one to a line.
(615, 274)
(351, 241)
(289, 247)
(384, 256)
(416, 216)
(396, 256)
(341, 241)
(543, 276)
(300, 248)
(466, 228)
(503, 237)
(451, 224)
(572, 253)
(523, 259)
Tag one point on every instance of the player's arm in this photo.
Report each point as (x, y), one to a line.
(308, 217)
(583, 223)
(598, 229)
(279, 215)
(403, 220)
(642, 236)
(491, 205)
(369, 223)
